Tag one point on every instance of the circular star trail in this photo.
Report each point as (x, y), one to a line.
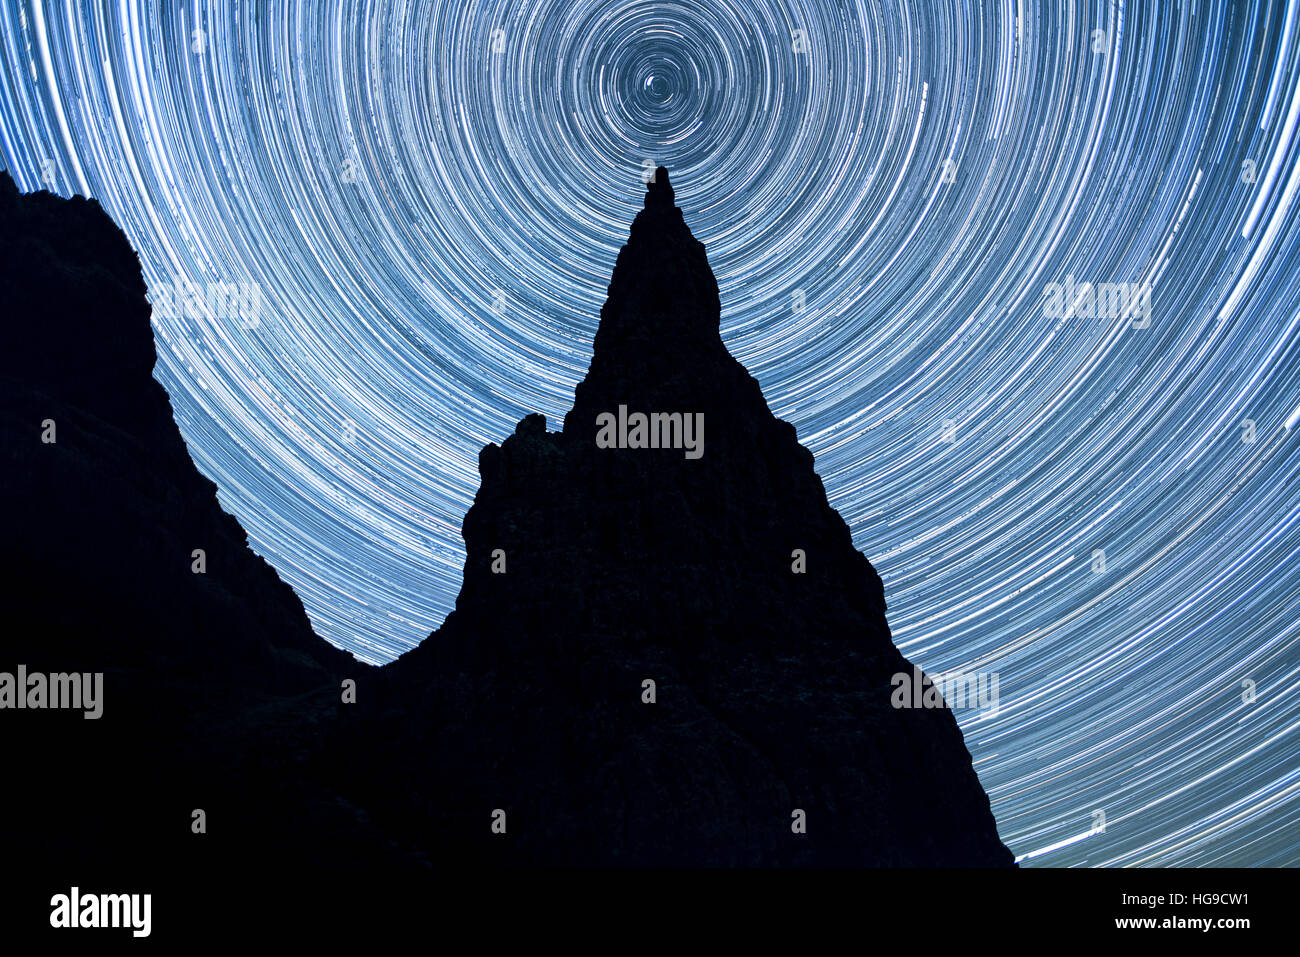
(427, 200)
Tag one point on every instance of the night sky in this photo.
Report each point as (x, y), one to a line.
(421, 204)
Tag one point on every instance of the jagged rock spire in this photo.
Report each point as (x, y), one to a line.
(660, 322)
(656, 658)
(659, 191)
(631, 563)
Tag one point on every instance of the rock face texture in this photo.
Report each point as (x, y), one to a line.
(626, 565)
(660, 656)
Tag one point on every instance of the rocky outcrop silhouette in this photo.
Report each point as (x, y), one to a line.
(103, 506)
(592, 570)
(101, 511)
(659, 656)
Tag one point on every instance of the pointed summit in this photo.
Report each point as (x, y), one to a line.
(666, 650)
(666, 642)
(660, 322)
(659, 192)
(659, 232)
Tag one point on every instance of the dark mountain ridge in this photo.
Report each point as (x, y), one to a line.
(590, 571)
(622, 565)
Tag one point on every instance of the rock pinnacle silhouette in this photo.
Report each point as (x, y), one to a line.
(660, 660)
(666, 650)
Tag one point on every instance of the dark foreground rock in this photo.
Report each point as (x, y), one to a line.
(614, 567)
(211, 681)
(772, 688)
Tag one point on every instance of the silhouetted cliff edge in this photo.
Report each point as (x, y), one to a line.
(207, 676)
(590, 572)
